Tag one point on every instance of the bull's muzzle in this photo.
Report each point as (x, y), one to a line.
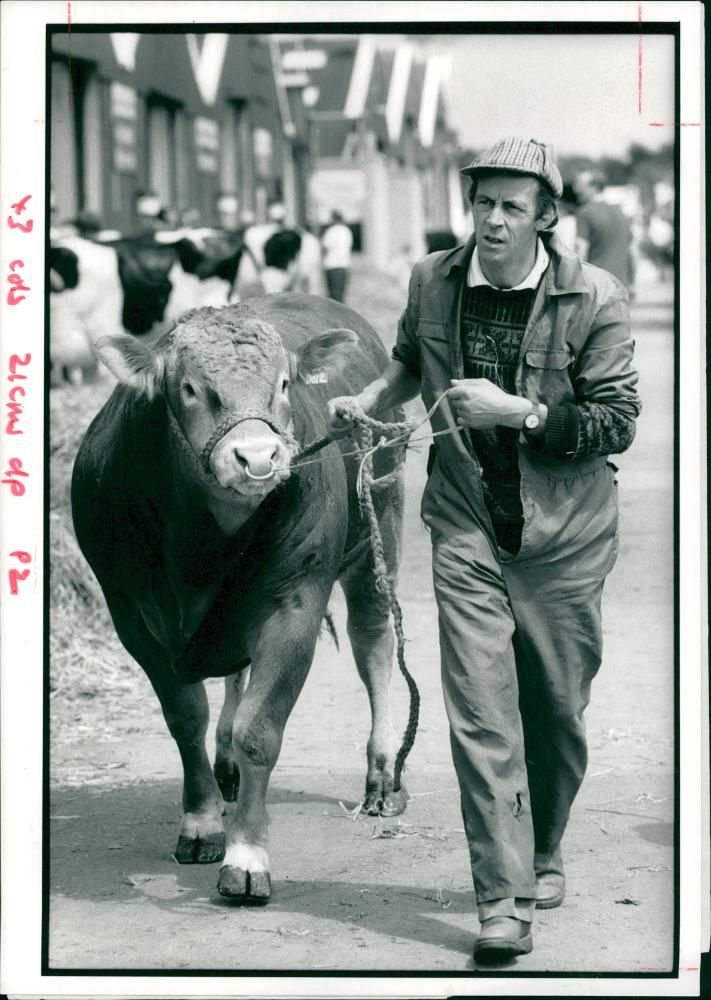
(251, 457)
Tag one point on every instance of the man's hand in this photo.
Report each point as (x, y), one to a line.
(480, 404)
(341, 410)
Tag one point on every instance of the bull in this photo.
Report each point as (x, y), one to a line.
(217, 558)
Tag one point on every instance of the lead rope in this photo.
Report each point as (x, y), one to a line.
(362, 432)
(363, 438)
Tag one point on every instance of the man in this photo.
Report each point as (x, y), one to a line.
(567, 226)
(604, 233)
(337, 243)
(148, 207)
(528, 352)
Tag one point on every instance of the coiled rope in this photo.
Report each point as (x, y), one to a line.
(362, 432)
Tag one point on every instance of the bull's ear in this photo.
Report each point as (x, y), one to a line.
(131, 361)
(327, 352)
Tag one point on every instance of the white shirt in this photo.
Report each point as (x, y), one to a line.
(477, 277)
(337, 242)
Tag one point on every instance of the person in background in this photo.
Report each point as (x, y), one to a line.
(189, 218)
(658, 246)
(228, 214)
(523, 356)
(337, 243)
(567, 228)
(148, 207)
(604, 233)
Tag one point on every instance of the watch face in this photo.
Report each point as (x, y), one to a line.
(531, 422)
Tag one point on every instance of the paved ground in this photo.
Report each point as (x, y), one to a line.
(394, 895)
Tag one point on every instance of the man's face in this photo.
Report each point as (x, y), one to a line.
(505, 220)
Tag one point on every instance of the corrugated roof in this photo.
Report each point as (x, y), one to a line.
(358, 78)
(380, 79)
(414, 89)
(334, 79)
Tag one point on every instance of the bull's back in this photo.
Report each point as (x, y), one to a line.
(299, 317)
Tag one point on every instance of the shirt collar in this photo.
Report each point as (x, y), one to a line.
(476, 276)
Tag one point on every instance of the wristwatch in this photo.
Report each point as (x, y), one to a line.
(533, 420)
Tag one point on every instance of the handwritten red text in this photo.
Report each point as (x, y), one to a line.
(19, 208)
(14, 409)
(13, 474)
(16, 576)
(18, 283)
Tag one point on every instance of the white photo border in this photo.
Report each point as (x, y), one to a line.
(22, 518)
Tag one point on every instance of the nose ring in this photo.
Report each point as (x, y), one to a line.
(267, 475)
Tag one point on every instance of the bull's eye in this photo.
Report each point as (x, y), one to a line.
(284, 384)
(188, 390)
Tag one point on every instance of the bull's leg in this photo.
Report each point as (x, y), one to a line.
(226, 770)
(201, 837)
(372, 642)
(281, 659)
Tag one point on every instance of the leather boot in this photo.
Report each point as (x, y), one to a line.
(502, 938)
(550, 880)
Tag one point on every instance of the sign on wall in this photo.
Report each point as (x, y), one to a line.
(207, 145)
(263, 152)
(340, 189)
(124, 113)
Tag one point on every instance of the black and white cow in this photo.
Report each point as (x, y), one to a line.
(139, 285)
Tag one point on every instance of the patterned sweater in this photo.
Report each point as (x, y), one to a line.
(492, 327)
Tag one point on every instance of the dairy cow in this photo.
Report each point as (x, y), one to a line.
(217, 558)
(139, 285)
(307, 271)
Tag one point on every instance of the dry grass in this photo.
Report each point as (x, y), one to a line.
(88, 666)
(89, 669)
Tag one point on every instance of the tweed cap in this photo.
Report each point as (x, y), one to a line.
(520, 156)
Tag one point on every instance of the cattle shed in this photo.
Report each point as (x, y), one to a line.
(220, 124)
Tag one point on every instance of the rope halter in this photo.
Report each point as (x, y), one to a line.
(230, 422)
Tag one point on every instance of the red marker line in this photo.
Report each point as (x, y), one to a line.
(681, 124)
(639, 60)
(69, 48)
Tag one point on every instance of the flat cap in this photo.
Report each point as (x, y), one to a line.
(523, 156)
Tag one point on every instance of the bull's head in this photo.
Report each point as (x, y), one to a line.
(226, 377)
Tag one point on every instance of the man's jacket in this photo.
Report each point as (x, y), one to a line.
(576, 348)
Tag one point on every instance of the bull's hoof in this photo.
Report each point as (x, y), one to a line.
(385, 803)
(200, 850)
(227, 777)
(245, 887)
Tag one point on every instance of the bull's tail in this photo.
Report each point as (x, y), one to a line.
(331, 629)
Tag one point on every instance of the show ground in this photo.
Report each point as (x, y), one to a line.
(366, 894)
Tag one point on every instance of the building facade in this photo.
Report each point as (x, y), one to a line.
(379, 144)
(199, 120)
(218, 126)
